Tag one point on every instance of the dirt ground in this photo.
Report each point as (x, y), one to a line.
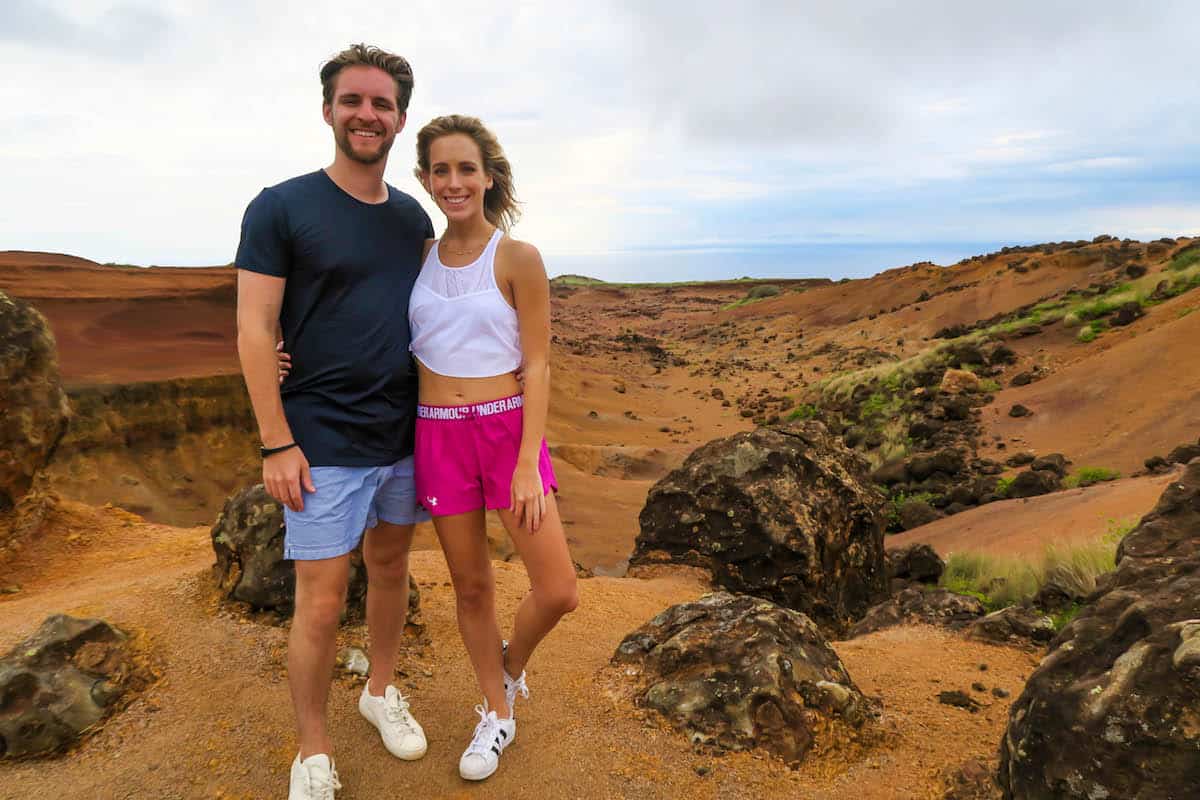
(218, 722)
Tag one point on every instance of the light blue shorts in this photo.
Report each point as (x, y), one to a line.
(349, 500)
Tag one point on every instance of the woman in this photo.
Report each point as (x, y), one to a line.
(481, 309)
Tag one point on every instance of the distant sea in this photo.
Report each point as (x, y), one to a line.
(661, 265)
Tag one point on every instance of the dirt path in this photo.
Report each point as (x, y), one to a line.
(218, 724)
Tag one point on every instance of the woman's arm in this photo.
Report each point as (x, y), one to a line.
(531, 297)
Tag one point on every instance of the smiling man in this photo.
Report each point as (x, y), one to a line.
(330, 259)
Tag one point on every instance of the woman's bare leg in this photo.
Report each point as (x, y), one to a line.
(465, 545)
(552, 589)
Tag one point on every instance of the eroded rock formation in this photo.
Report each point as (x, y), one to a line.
(33, 418)
(61, 682)
(247, 539)
(781, 513)
(737, 672)
(1114, 709)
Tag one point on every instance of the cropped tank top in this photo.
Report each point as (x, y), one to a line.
(461, 324)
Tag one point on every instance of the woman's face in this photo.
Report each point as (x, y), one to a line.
(457, 179)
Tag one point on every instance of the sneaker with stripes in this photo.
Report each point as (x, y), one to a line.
(492, 735)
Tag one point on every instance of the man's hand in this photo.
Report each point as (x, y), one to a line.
(285, 475)
(284, 359)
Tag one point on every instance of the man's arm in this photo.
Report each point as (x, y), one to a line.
(259, 300)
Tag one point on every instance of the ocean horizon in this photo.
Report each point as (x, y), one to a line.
(826, 260)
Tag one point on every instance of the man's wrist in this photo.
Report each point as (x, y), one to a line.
(266, 452)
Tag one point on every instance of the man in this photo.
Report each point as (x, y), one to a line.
(330, 258)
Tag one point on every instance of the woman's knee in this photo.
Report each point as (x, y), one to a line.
(474, 594)
(560, 599)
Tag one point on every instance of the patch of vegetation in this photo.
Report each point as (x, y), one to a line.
(1087, 334)
(1063, 618)
(1186, 259)
(999, 582)
(1183, 312)
(765, 290)
(990, 385)
(803, 411)
(1086, 476)
(1002, 486)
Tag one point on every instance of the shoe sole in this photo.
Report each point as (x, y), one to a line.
(407, 756)
(481, 777)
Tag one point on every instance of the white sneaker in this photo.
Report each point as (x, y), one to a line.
(492, 735)
(512, 686)
(313, 779)
(401, 734)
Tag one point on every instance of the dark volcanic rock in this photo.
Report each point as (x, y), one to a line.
(1113, 709)
(1128, 313)
(1054, 462)
(1157, 465)
(915, 513)
(1019, 410)
(737, 672)
(782, 513)
(1184, 453)
(1034, 482)
(61, 682)
(917, 604)
(247, 539)
(949, 462)
(915, 562)
(1011, 625)
(1023, 379)
(33, 417)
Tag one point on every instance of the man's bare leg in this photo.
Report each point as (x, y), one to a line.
(385, 552)
(312, 647)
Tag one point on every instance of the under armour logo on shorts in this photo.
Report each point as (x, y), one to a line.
(431, 501)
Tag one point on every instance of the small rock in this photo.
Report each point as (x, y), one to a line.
(998, 692)
(1019, 410)
(593, 414)
(979, 687)
(354, 661)
(959, 700)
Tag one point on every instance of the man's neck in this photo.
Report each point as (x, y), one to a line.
(361, 181)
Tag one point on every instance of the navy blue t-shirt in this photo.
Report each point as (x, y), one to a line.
(350, 266)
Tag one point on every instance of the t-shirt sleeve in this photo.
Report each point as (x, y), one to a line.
(264, 246)
(428, 225)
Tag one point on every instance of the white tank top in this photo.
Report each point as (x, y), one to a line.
(461, 324)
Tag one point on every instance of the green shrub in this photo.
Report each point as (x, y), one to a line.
(1071, 319)
(990, 385)
(1002, 486)
(1063, 618)
(1086, 476)
(1087, 334)
(803, 411)
(759, 292)
(1187, 258)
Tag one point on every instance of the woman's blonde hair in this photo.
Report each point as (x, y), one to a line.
(500, 204)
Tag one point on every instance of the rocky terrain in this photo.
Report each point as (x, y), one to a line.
(773, 439)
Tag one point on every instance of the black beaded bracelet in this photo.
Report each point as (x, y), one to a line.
(270, 451)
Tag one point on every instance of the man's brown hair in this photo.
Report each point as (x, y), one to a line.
(369, 56)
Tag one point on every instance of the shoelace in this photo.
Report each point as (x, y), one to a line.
(517, 686)
(485, 732)
(323, 788)
(396, 708)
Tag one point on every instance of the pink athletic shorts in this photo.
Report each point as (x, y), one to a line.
(465, 456)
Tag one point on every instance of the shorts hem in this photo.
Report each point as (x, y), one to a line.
(318, 553)
(419, 515)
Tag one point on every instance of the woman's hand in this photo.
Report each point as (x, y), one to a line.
(528, 496)
(285, 361)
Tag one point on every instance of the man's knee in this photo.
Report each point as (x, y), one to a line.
(387, 567)
(474, 594)
(320, 610)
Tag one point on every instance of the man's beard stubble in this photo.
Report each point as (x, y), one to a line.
(343, 142)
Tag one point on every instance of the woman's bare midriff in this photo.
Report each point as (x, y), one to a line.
(443, 390)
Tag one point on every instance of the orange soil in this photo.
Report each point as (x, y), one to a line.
(218, 723)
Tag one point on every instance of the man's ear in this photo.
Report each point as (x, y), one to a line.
(327, 113)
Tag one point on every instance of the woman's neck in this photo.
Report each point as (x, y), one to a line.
(468, 230)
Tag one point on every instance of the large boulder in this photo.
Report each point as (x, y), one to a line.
(915, 562)
(33, 417)
(1013, 625)
(1114, 709)
(1034, 482)
(59, 683)
(247, 539)
(920, 605)
(786, 513)
(737, 672)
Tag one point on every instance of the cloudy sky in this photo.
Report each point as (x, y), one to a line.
(137, 131)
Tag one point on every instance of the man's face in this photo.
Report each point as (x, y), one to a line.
(363, 114)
